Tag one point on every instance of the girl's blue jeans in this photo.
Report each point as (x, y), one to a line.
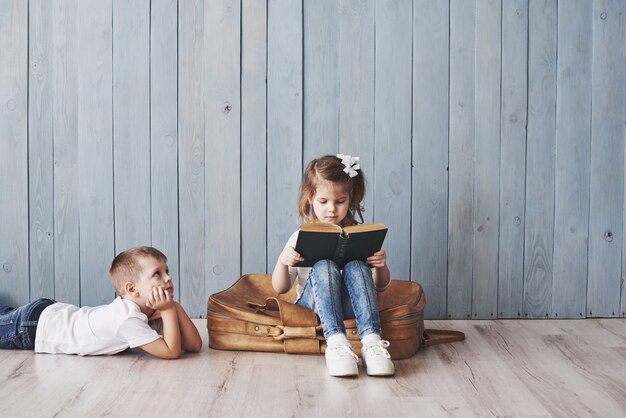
(19, 325)
(336, 295)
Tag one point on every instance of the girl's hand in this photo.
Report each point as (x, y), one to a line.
(289, 257)
(378, 259)
(160, 299)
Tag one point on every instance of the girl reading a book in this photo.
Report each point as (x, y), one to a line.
(331, 191)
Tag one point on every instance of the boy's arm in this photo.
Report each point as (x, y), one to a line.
(167, 347)
(189, 335)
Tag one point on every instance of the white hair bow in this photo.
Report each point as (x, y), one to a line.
(351, 163)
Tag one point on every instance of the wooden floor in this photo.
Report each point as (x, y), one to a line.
(520, 368)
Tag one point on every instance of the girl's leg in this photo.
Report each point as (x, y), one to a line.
(363, 306)
(322, 293)
(357, 278)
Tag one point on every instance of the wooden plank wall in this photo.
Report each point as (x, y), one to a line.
(491, 133)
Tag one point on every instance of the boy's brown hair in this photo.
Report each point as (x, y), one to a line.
(126, 265)
(330, 168)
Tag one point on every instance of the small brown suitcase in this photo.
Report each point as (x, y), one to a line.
(248, 316)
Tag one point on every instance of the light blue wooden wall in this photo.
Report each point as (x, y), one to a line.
(491, 133)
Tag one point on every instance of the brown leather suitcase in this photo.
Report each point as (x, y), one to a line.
(249, 316)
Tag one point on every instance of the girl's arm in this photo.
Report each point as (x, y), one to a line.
(280, 277)
(381, 275)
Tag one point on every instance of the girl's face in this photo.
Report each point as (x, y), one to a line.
(330, 203)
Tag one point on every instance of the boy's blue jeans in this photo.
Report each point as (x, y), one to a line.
(19, 325)
(336, 295)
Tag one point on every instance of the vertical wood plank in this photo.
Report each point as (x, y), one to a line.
(191, 156)
(606, 209)
(356, 89)
(321, 79)
(623, 275)
(284, 122)
(513, 120)
(65, 130)
(431, 43)
(164, 132)
(540, 159)
(487, 155)
(14, 254)
(461, 158)
(40, 148)
(131, 130)
(392, 176)
(95, 154)
(573, 133)
(254, 137)
(222, 39)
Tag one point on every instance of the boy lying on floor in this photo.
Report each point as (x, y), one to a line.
(141, 278)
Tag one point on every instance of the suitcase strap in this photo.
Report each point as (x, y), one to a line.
(441, 336)
(299, 329)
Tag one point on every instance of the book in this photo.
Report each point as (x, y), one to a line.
(326, 241)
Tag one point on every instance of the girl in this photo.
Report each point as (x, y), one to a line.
(332, 190)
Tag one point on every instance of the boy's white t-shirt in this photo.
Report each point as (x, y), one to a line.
(101, 330)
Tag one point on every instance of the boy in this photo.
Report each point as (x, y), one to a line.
(141, 278)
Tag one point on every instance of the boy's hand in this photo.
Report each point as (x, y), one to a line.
(155, 315)
(160, 299)
(378, 259)
(289, 257)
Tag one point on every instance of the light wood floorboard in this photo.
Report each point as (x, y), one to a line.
(525, 368)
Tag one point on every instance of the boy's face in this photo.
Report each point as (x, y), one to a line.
(154, 273)
(330, 203)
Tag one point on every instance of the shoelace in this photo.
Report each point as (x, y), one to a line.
(344, 350)
(379, 348)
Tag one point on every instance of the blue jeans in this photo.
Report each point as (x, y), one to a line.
(19, 325)
(336, 295)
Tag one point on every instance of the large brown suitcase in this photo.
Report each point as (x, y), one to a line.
(248, 316)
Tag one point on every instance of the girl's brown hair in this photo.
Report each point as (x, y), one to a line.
(329, 168)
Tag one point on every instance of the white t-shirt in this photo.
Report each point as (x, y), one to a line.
(101, 330)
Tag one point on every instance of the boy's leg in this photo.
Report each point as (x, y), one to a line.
(18, 326)
(5, 309)
(10, 326)
(31, 319)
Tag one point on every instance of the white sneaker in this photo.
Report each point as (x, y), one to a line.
(341, 361)
(377, 359)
